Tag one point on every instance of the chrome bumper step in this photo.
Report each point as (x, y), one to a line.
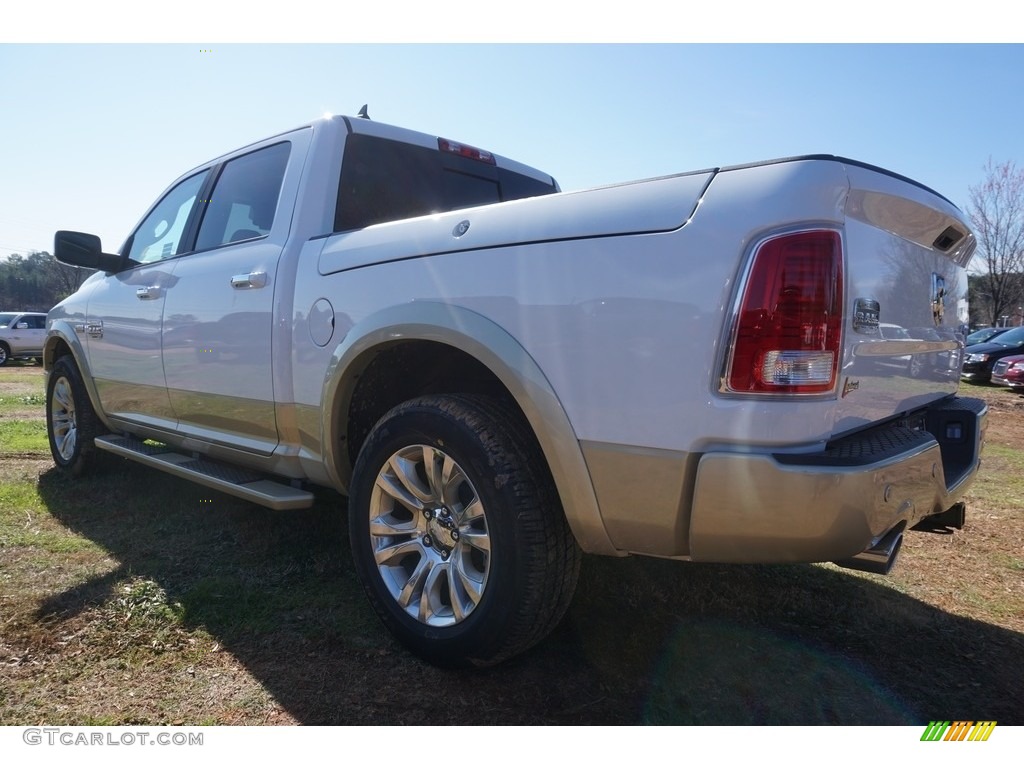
(243, 483)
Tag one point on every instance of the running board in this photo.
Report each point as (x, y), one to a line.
(243, 483)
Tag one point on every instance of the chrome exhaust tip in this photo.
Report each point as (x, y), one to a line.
(878, 559)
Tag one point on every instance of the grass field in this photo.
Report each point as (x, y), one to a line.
(136, 598)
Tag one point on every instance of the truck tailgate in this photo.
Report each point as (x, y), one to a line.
(906, 306)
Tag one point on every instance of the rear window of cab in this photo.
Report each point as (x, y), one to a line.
(384, 180)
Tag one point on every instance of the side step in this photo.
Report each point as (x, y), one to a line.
(243, 483)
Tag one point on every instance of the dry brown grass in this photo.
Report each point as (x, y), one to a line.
(137, 598)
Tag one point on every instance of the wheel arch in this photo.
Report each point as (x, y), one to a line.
(437, 347)
(62, 340)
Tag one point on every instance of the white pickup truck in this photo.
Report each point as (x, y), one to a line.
(499, 375)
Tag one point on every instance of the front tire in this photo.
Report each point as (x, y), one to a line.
(71, 422)
(916, 366)
(457, 532)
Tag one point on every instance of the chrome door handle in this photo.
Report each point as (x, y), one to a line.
(251, 280)
(149, 292)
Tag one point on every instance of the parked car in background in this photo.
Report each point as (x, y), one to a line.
(22, 334)
(979, 359)
(946, 363)
(1009, 372)
(899, 363)
(982, 335)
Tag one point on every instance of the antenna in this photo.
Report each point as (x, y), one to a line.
(363, 113)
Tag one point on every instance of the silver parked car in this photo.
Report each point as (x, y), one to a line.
(21, 335)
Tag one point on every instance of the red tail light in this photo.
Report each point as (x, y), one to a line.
(788, 336)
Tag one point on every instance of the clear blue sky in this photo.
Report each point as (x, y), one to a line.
(91, 134)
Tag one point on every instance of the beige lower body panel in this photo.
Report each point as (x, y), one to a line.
(732, 506)
(643, 495)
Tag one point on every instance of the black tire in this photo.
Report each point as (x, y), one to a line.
(486, 565)
(916, 366)
(71, 422)
(5, 354)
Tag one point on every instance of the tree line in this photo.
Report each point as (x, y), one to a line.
(984, 312)
(34, 283)
(996, 213)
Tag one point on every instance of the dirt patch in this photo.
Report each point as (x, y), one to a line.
(16, 368)
(1006, 414)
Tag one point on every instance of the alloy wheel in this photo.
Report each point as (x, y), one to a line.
(429, 536)
(63, 420)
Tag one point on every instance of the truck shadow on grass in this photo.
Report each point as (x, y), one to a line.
(645, 641)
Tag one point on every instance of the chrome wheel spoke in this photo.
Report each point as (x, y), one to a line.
(386, 526)
(393, 553)
(440, 471)
(405, 471)
(391, 485)
(405, 480)
(472, 513)
(413, 587)
(62, 394)
(62, 422)
(431, 606)
(67, 444)
(447, 479)
(432, 461)
(480, 541)
(465, 589)
(473, 527)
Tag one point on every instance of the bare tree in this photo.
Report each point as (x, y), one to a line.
(62, 279)
(996, 211)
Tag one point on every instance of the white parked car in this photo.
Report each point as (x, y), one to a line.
(22, 335)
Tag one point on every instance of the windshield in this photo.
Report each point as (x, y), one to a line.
(5, 319)
(1010, 338)
(983, 335)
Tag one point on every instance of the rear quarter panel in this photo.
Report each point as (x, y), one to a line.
(627, 328)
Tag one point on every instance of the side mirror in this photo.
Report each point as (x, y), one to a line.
(79, 249)
(21, 326)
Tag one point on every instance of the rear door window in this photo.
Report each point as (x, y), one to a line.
(244, 199)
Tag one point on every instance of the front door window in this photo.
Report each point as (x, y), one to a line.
(161, 234)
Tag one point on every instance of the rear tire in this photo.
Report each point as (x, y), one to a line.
(5, 354)
(457, 533)
(71, 422)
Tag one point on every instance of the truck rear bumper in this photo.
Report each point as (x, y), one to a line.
(840, 502)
